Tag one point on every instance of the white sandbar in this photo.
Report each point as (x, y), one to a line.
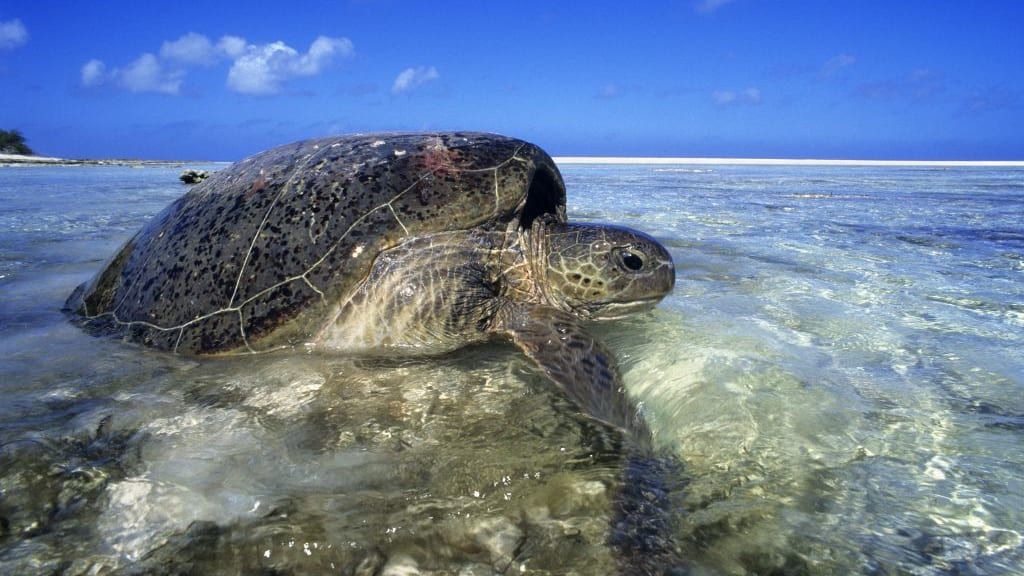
(788, 162)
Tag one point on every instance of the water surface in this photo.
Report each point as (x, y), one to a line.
(840, 371)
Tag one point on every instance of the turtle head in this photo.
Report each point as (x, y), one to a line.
(601, 271)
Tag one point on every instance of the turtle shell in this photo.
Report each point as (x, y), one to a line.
(255, 256)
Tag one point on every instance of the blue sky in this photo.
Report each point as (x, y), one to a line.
(742, 78)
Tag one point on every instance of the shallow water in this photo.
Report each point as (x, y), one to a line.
(840, 372)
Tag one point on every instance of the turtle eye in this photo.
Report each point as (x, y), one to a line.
(632, 261)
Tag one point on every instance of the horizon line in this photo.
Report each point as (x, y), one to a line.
(656, 160)
(595, 160)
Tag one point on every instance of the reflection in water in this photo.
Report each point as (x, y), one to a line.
(839, 372)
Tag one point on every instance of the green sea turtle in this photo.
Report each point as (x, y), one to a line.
(407, 243)
(385, 243)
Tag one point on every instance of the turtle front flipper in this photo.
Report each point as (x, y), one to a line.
(642, 524)
(578, 363)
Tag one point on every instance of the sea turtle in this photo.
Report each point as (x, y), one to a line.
(385, 243)
(407, 243)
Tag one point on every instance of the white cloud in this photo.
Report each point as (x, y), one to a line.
(191, 48)
(93, 73)
(750, 96)
(321, 52)
(146, 74)
(412, 77)
(710, 5)
(255, 69)
(253, 72)
(197, 50)
(231, 46)
(12, 34)
(262, 69)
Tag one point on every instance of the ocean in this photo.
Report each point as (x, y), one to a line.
(839, 372)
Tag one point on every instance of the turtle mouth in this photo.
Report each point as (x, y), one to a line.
(615, 309)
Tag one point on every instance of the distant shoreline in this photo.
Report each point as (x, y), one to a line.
(787, 162)
(21, 160)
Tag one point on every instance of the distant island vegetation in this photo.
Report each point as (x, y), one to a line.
(13, 142)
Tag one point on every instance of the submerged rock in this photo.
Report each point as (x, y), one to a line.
(401, 565)
(500, 538)
(193, 176)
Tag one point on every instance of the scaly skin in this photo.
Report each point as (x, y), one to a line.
(436, 293)
(427, 295)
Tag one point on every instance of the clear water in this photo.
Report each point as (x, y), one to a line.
(840, 370)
